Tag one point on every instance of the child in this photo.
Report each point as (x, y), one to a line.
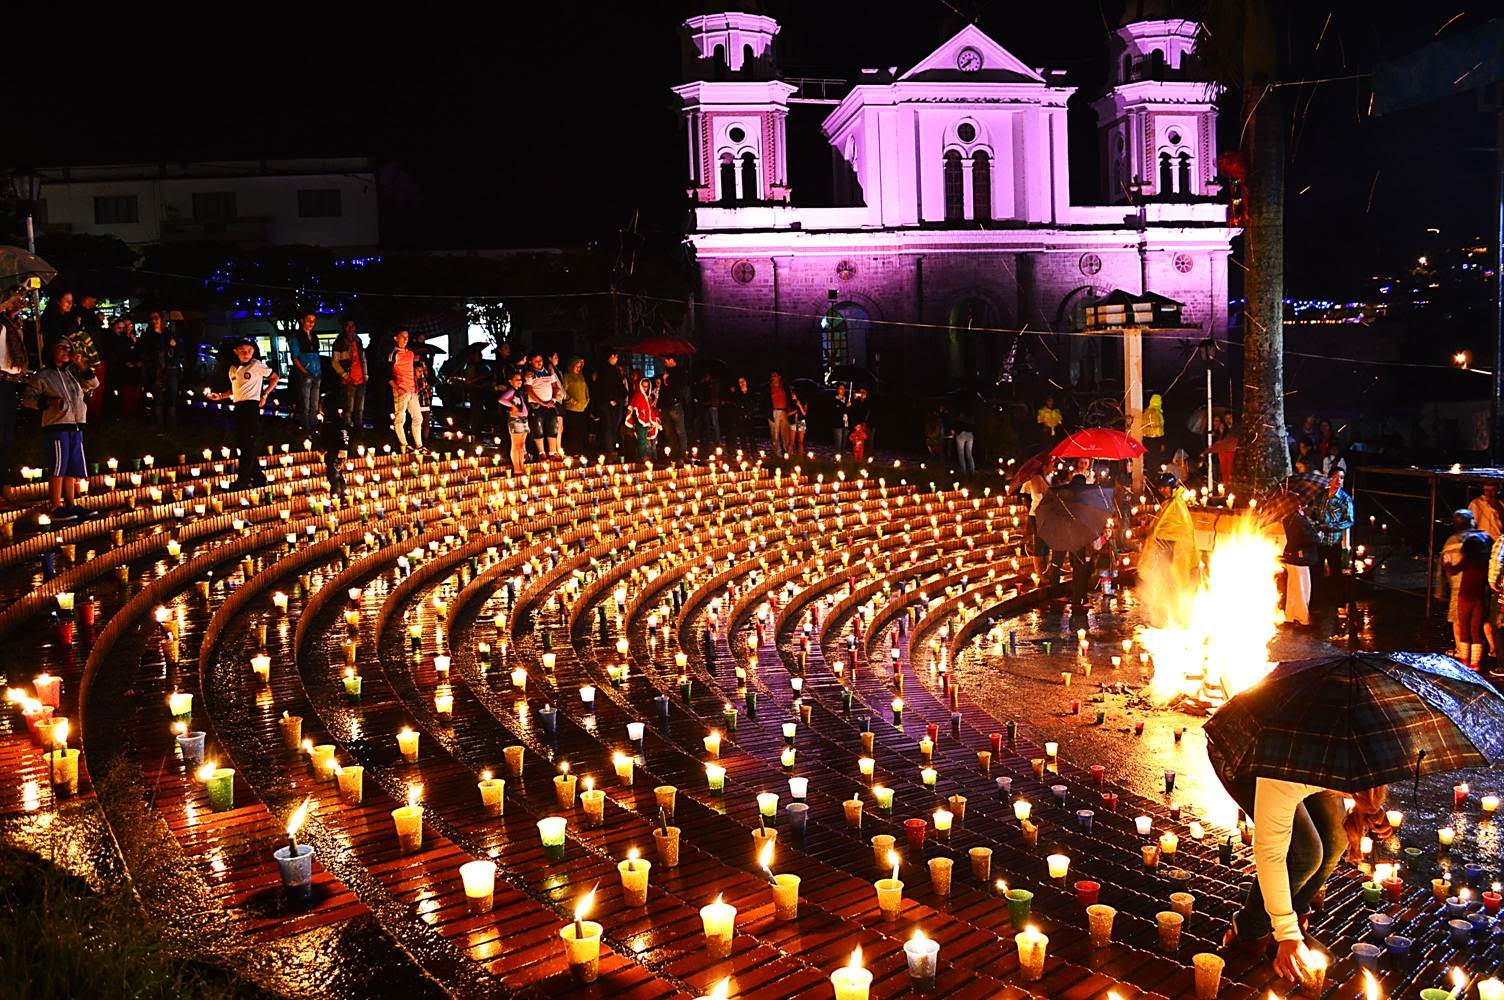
(61, 392)
(251, 382)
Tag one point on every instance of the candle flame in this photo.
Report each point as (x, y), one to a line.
(1459, 980)
(1313, 960)
(1370, 985)
(207, 771)
(633, 854)
(765, 857)
(1382, 873)
(180, 728)
(583, 907)
(856, 959)
(299, 816)
(413, 794)
(722, 990)
(589, 784)
(60, 731)
(918, 937)
(564, 768)
(485, 776)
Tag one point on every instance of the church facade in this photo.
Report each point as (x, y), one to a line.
(954, 250)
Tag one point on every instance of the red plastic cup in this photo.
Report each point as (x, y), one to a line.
(914, 829)
(1110, 801)
(1098, 774)
(997, 743)
(1394, 889)
(1075, 708)
(1459, 795)
(1491, 902)
(933, 731)
(1087, 892)
(1138, 729)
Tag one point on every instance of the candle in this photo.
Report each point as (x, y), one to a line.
(719, 919)
(1492, 899)
(49, 690)
(852, 982)
(787, 757)
(1183, 903)
(923, 956)
(407, 743)
(1087, 892)
(715, 777)
(1490, 804)
(865, 766)
(634, 879)
(479, 878)
(1032, 949)
(1459, 795)
(180, 704)
(623, 766)
(1208, 969)
(884, 798)
(1168, 843)
(1020, 901)
(352, 684)
(279, 601)
(292, 730)
(981, 863)
(1058, 864)
(351, 782)
(513, 756)
(928, 775)
(1022, 809)
(713, 744)
(1445, 836)
(1099, 919)
(320, 758)
(551, 832)
(582, 942)
(564, 786)
(409, 821)
(890, 892)
(1169, 923)
(587, 696)
(1490, 989)
(593, 800)
(1144, 825)
(443, 703)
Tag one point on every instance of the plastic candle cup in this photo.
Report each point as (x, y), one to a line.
(1373, 893)
(352, 684)
(889, 897)
(322, 759)
(635, 731)
(666, 844)
(1022, 810)
(666, 797)
(1490, 989)
(623, 766)
(1440, 889)
(62, 770)
(1394, 888)
(1099, 920)
(715, 777)
(551, 832)
(582, 947)
(634, 879)
(1059, 865)
(981, 864)
(1208, 969)
(1151, 855)
(767, 806)
(1143, 825)
(407, 742)
(1445, 836)
(220, 784)
(1169, 923)
(1168, 843)
(798, 788)
(1020, 901)
(923, 955)
(719, 920)
(940, 875)
(884, 797)
(914, 830)
(564, 788)
(853, 810)
(713, 744)
(191, 745)
(866, 767)
(1459, 795)
(729, 714)
(479, 878)
(593, 801)
(851, 981)
(1492, 898)
(513, 757)
(785, 897)
(1489, 804)
(1459, 931)
(1085, 819)
(1032, 950)
(787, 758)
(409, 822)
(928, 775)
(351, 781)
(984, 762)
(180, 705)
(882, 846)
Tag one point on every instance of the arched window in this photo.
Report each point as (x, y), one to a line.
(750, 190)
(843, 335)
(1157, 64)
(1166, 175)
(955, 193)
(1127, 66)
(718, 62)
(981, 186)
(728, 179)
(749, 61)
(1185, 172)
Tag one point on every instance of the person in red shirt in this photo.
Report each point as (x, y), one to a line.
(348, 359)
(778, 416)
(405, 401)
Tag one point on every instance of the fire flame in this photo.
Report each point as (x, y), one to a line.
(722, 990)
(1214, 640)
(299, 816)
(1370, 985)
(765, 857)
(856, 959)
(585, 905)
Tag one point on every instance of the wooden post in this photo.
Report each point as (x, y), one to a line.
(1133, 393)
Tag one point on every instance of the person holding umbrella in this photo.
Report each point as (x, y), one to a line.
(1290, 747)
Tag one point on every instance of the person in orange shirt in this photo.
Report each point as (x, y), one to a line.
(405, 401)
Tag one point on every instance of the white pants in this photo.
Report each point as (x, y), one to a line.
(407, 405)
(1298, 594)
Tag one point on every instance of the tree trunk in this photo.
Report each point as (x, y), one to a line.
(1263, 457)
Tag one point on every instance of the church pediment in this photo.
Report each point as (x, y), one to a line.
(971, 56)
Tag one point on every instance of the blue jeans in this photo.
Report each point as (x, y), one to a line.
(307, 389)
(1317, 843)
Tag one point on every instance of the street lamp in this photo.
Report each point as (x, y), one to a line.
(26, 186)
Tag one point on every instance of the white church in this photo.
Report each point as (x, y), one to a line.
(953, 249)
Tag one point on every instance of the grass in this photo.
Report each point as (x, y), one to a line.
(58, 939)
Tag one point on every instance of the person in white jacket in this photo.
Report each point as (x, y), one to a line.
(1301, 832)
(61, 392)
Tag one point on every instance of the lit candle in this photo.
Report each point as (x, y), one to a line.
(1144, 825)
(719, 919)
(634, 879)
(407, 743)
(492, 791)
(623, 765)
(279, 601)
(352, 683)
(1168, 843)
(923, 956)
(715, 777)
(261, 666)
(1032, 950)
(409, 821)
(180, 704)
(479, 878)
(713, 744)
(1059, 865)
(1445, 836)
(866, 766)
(564, 785)
(551, 832)
(1490, 804)
(582, 940)
(1022, 809)
(884, 798)
(1459, 795)
(852, 982)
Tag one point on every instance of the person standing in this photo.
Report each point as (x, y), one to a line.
(673, 405)
(1467, 566)
(513, 401)
(404, 383)
(1334, 516)
(251, 383)
(1152, 423)
(841, 417)
(740, 413)
(576, 403)
(544, 390)
(167, 368)
(1488, 513)
(710, 399)
(611, 403)
(778, 414)
(964, 431)
(61, 391)
(1301, 553)
(59, 320)
(642, 418)
(308, 370)
(348, 359)
(1049, 417)
(798, 417)
(88, 348)
(13, 368)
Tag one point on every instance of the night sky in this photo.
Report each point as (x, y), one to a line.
(551, 123)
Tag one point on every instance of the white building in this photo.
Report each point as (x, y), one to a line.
(329, 202)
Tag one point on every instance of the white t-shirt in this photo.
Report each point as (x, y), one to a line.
(543, 386)
(248, 381)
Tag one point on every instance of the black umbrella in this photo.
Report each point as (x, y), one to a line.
(852, 373)
(1071, 518)
(1358, 720)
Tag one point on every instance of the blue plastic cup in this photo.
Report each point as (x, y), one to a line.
(798, 817)
(1460, 931)
(1085, 817)
(1397, 944)
(1367, 955)
(1004, 787)
(297, 872)
(1380, 926)
(192, 747)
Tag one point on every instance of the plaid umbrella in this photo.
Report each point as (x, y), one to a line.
(1309, 485)
(1358, 720)
(1069, 518)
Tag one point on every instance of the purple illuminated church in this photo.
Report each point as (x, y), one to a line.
(952, 215)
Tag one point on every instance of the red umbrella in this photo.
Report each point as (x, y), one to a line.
(1029, 468)
(662, 346)
(1098, 442)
